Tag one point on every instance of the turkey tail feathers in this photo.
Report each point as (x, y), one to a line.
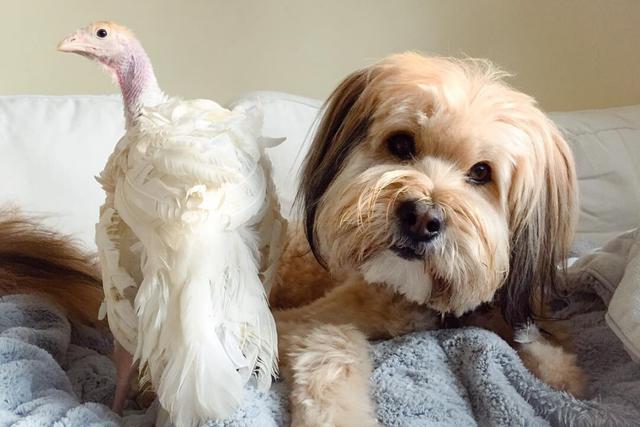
(218, 330)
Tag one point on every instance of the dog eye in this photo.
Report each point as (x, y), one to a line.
(480, 173)
(402, 146)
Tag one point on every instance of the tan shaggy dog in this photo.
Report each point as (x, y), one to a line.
(432, 191)
(431, 188)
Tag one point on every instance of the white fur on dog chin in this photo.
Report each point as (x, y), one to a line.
(192, 184)
(407, 277)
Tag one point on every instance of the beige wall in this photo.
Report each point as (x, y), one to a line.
(570, 54)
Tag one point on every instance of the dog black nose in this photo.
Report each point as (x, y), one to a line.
(419, 220)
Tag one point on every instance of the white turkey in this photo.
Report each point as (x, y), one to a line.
(188, 237)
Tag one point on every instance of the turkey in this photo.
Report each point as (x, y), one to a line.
(188, 238)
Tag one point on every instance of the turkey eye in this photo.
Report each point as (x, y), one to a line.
(402, 146)
(102, 33)
(480, 173)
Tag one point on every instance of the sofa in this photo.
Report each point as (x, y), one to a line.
(52, 147)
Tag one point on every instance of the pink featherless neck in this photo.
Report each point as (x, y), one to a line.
(137, 82)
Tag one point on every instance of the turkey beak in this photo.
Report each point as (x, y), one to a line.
(73, 44)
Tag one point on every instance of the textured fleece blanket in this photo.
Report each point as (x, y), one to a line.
(53, 374)
(614, 273)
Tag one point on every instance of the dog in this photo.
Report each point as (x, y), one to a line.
(432, 190)
(433, 194)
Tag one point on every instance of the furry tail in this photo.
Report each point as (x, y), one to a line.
(36, 260)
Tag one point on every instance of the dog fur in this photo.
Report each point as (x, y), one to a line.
(36, 260)
(503, 241)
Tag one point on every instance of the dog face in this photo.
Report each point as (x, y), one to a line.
(433, 176)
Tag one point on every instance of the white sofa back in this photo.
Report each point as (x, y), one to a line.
(52, 147)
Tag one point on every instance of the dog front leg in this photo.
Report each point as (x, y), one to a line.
(324, 350)
(328, 367)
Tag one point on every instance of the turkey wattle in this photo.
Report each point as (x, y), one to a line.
(188, 238)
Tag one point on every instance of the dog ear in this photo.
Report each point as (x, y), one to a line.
(544, 208)
(343, 126)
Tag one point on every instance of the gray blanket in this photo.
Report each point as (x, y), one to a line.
(53, 374)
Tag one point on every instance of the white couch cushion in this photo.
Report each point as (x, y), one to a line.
(606, 147)
(52, 147)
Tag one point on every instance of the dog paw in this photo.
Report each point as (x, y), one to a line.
(330, 370)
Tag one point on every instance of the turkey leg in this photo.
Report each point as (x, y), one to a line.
(125, 369)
